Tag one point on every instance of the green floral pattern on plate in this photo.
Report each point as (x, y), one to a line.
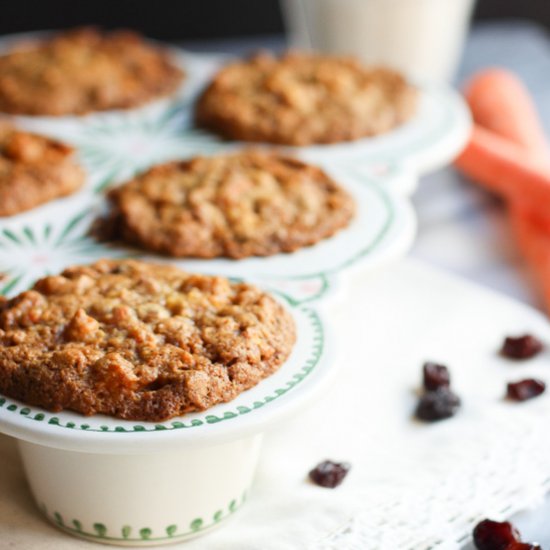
(100, 532)
(120, 147)
(34, 250)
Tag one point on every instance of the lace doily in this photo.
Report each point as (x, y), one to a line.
(412, 486)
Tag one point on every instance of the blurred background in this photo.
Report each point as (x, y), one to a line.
(200, 19)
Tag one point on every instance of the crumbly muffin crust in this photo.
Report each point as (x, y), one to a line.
(249, 203)
(138, 341)
(34, 170)
(84, 70)
(303, 99)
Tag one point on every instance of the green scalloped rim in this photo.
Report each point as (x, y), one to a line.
(324, 275)
(100, 533)
(390, 211)
(318, 342)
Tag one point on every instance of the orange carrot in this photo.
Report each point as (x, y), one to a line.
(500, 102)
(501, 166)
(501, 105)
(534, 244)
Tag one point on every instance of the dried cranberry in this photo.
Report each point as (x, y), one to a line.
(525, 389)
(522, 347)
(437, 405)
(494, 535)
(329, 474)
(523, 546)
(436, 376)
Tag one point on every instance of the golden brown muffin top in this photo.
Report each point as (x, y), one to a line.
(138, 341)
(250, 203)
(303, 99)
(84, 70)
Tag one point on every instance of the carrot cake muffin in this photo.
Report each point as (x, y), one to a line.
(34, 170)
(84, 70)
(138, 341)
(303, 99)
(250, 203)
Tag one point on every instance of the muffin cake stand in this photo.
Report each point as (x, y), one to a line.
(138, 483)
(143, 483)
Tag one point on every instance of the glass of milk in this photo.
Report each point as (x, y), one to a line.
(421, 38)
